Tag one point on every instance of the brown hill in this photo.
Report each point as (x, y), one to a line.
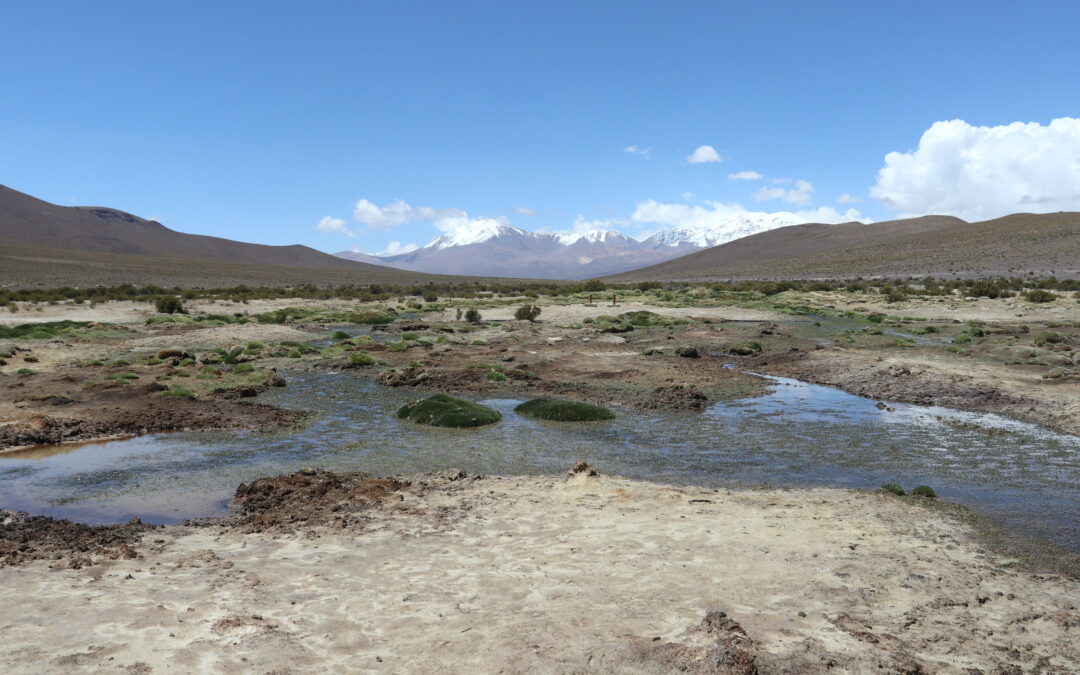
(43, 244)
(28, 220)
(935, 245)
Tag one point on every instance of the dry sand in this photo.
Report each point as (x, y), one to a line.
(541, 575)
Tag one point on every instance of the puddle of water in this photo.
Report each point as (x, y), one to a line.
(800, 434)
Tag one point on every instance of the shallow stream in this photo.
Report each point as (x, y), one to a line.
(800, 434)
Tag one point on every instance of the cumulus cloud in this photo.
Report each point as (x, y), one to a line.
(703, 154)
(333, 226)
(397, 248)
(977, 173)
(847, 199)
(745, 175)
(525, 211)
(800, 194)
(638, 150)
(395, 213)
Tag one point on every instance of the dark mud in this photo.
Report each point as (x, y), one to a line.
(25, 538)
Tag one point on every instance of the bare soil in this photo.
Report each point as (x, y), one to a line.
(589, 574)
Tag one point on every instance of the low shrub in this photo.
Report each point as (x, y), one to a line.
(924, 491)
(340, 335)
(495, 376)
(1039, 295)
(169, 304)
(473, 315)
(561, 410)
(443, 410)
(243, 368)
(527, 312)
(893, 488)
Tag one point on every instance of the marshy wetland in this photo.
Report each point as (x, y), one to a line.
(751, 402)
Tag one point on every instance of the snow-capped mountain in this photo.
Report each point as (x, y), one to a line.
(729, 229)
(489, 247)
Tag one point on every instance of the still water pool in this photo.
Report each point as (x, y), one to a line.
(799, 434)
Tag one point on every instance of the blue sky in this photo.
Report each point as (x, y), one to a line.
(256, 120)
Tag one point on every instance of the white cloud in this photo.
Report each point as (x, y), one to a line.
(847, 199)
(333, 226)
(800, 194)
(397, 248)
(688, 196)
(396, 213)
(745, 175)
(717, 213)
(638, 150)
(703, 155)
(525, 211)
(977, 173)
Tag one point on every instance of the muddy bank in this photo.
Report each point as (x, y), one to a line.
(25, 538)
(82, 403)
(587, 573)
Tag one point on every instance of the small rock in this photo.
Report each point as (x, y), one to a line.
(687, 352)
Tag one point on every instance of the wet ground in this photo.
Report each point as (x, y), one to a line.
(800, 434)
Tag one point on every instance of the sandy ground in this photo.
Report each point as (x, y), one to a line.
(541, 575)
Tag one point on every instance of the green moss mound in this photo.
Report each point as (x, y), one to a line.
(443, 410)
(560, 410)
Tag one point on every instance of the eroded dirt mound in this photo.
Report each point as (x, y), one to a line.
(151, 416)
(716, 646)
(24, 538)
(308, 498)
(676, 397)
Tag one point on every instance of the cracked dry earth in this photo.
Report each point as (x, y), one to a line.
(319, 572)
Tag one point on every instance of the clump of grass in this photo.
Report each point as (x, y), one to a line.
(396, 346)
(243, 368)
(176, 391)
(924, 491)
(443, 410)
(745, 348)
(25, 371)
(358, 359)
(123, 377)
(561, 410)
(495, 376)
(893, 488)
(340, 335)
(1050, 337)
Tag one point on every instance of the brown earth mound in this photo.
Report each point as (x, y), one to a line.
(24, 538)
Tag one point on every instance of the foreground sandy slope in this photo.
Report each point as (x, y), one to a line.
(538, 574)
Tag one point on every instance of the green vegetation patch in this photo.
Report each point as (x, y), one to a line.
(176, 391)
(443, 410)
(41, 331)
(561, 410)
(358, 359)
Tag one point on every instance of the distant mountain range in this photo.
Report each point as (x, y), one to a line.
(940, 246)
(492, 248)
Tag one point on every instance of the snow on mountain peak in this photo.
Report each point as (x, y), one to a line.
(722, 231)
(464, 232)
(591, 236)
